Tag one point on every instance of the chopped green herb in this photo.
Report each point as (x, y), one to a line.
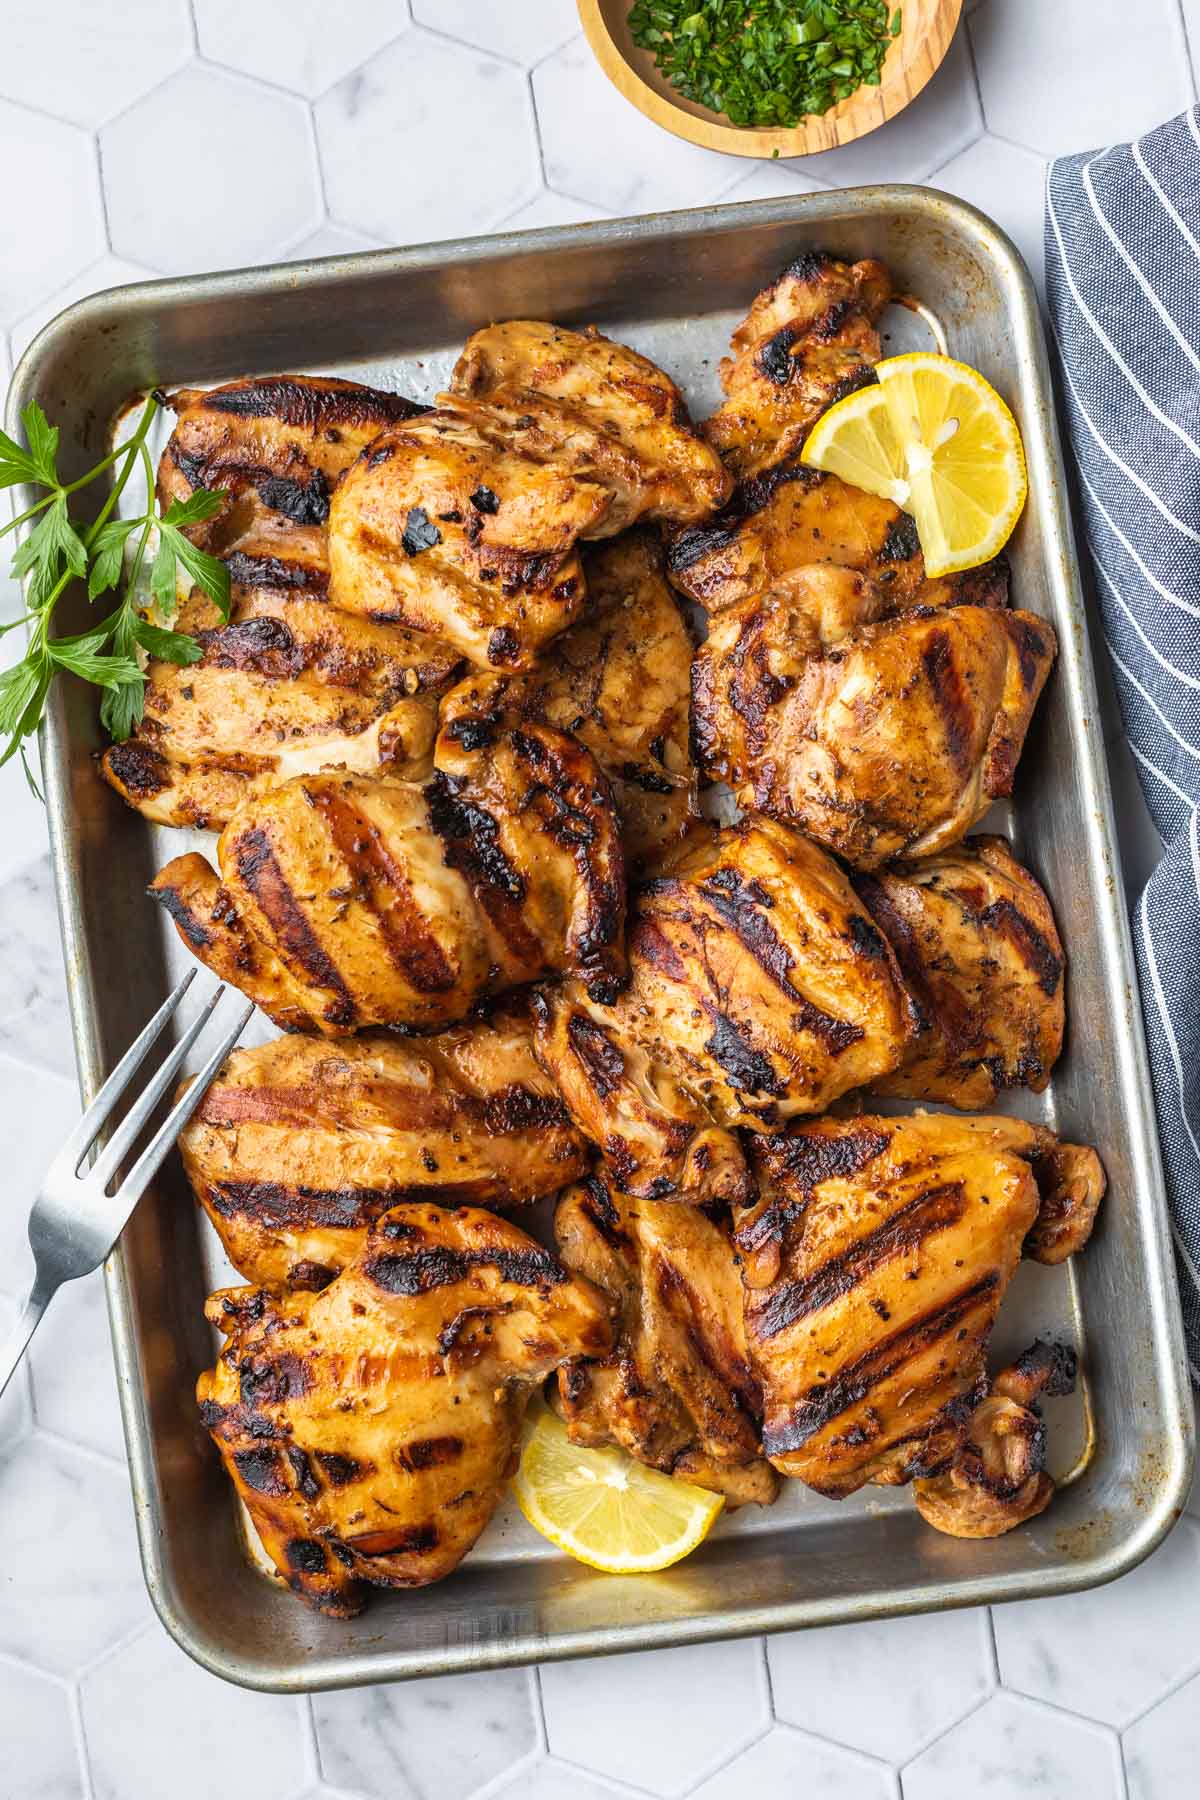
(59, 550)
(766, 62)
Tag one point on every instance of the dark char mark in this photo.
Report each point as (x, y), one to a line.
(600, 1057)
(261, 874)
(275, 572)
(953, 702)
(1005, 917)
(308, 405)
(471, 838)
(748, 1069)
(438, 1266)
(143, 773)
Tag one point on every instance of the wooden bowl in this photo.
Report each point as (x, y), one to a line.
(926, 29)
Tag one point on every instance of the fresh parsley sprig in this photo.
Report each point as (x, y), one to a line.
(59, 550)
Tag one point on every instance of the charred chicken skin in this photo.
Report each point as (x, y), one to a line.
(346, 902)
(369, 1428)
(619, 681)
(892, 743)
(997, 1479)
(980, 954)
(288, 684)
(759, 988)
(875, 1260)
(676, 1391)
(578, 401)
(299, 1145)
(808, 340)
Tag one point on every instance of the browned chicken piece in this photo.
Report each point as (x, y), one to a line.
(578, 401)
(276, 445)
(759, 989)
(299, 1145)
(998, 1479)
(892, 743)
(676, 1391)
(348, 901)
(289, 684)
(875, 1260)
(808, 340)
(791, 516)
(369, 1428)
(444, 529)
(1071, 1181)
(619, 679)
(980, 954)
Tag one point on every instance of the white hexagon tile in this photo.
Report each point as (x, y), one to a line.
(158, 137)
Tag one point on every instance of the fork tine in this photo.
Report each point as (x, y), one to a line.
(94, 1119)
(131, 1126)
(144, 1169)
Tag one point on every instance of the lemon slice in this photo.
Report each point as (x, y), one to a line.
(937, 439)
(605, 1509)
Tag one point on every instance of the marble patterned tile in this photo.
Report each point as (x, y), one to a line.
(60, 183)
(72, 1579)
(16, 1411)
(1013, 1750)
(941, 121)
(922, 1673)
(109, 272)
(643, 169)
(785, 1766)
(550, 1780)
(671, 1734)
(549, 208)
(34, 1024)
(1048, 1647)
(331, 240)
(447, 1737)
(1162, 1749)
(102, 60)
(37, 1109)
(38, 1737)
(374, 131)
(1002, 181)
(776, 180)
(1128, 79)
(242, 206)
(289, 42)
(71, 1367)
(23, 839)
(525, 32)
(195, 1735)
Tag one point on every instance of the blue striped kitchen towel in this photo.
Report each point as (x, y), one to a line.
(1123, 289)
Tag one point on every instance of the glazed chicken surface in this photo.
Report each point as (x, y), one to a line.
(676, 1390)
(892, 743)
(977, 945)
(299, 1144)
(347, 901)
(369, 1428)
(875, 1259)
(808, 340)
(759, 989)
(579, 401)
(998, 1479)
(619, 680)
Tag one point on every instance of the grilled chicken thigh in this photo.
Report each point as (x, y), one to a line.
(809, 339)
(346, 901)
(369, 1428)
(997, 1479)
(289, 684)
(299, 1145)
(276, 445)
(875, 1260)
(977, 946)
(892, 743)
(759, 989)
(619, 679)
(578, 401)
(676, 1390)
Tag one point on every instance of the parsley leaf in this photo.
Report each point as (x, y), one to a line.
(108, 554)
(52, 547)
(209, 575)
(171, 646)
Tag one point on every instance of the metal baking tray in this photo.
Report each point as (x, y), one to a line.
(672, 285)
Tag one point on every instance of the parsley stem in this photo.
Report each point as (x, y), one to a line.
(129, 448)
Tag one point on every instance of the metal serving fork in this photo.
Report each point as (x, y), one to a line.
(75, 1221)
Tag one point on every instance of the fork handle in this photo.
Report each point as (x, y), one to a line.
(27, 1322)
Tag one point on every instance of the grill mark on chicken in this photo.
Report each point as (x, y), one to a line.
(829, 1399)
(260, 1470)
(512, 1109)
(749, 497)
(260, 873)
(428, 1453)
(277, 573)
(194, 930)
(953, 702)
(897, 1236)
(471, 845)
(1031, 946)
(805, 1162)
(901, 937)
(274, 1204)
(307, 405)
(749, 1071)
(421, 1270)
(138, 768)
(411, 1540)
(413, 948)
(600, 1057)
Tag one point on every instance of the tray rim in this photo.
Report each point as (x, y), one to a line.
(1157, 1517)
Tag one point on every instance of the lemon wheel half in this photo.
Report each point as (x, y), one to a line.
(936, 438)
(603, 1508)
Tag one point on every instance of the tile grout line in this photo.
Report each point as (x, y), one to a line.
(79, 1733)
(1181, 26)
